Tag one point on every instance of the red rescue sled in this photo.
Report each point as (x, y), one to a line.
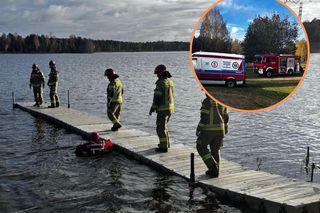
(97, 146)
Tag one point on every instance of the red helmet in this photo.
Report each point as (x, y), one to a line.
(109, 72)
(160, 69)
(94, 136)
(52, 63)
(35, 66)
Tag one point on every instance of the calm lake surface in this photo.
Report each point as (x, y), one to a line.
(40, 173)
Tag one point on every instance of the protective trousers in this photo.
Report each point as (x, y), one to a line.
(162, 129)
(37, 93)
(114, 112)
(54, 96)
(210, 158)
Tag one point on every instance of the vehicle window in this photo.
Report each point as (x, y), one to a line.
(257, 59)
(269, 59)
(194, 61)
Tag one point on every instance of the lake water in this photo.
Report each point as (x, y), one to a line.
(39, 171)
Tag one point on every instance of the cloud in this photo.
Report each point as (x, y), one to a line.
(309, 9)
(236, 32)
(129, 20)
(235, 6)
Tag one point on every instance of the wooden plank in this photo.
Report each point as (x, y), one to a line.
(126, 133)
(103, 127)
(305, 200)
(258, 184)
(255, 187)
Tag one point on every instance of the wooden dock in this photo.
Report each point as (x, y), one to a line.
(257, 190)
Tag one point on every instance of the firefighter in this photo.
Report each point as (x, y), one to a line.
(37, 82)
(114, 98)
(163, 104)
(211, 129)
(53, 85)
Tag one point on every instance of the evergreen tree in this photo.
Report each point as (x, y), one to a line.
(270, 35)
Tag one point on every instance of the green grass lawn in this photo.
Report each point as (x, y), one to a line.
(259, 92)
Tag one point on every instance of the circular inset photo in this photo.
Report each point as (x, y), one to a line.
(249, 56)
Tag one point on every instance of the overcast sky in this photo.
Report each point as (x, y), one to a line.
(127, 20)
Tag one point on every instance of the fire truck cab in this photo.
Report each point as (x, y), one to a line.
(270, 64)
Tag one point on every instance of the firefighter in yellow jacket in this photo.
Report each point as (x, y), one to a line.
(163, 104)
(211, 129)
(37, 82)
(114, 98)
(53, 85)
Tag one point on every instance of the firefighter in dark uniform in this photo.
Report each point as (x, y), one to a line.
(37, 82)
(53, 85)
(163, 104)
(114, 98)
(211, 129)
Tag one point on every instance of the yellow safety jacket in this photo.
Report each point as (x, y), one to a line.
(36, 79)
(214, 117)
(163, 98)
(115, 91)
(53, 78)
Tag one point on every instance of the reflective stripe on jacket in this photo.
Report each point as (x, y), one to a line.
(214, 117)
(163, 98)
(114, 91)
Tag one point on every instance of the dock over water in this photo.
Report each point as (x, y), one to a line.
(258, 190)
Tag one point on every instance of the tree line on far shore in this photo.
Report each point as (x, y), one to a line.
(313, 30)
(33, 43)
(264, 35)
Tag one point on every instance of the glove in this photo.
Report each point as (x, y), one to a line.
(151, 110)
(30, 86)
(226, 129)
(198, 132)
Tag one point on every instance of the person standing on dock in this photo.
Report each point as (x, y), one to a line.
(114, 98)
(163, 104)
(211, 129)
(53, 85)
(37, 82)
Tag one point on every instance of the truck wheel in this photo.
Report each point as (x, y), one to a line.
(231, 83)
(269, 73)
(290, 72)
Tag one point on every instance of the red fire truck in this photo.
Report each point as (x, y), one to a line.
(270, 64)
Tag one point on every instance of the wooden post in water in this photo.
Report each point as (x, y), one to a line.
(68, 99)
(307, 157)
(192, 176)
(13, 100)
(312, 169)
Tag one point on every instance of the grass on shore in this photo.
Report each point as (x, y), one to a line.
(259, 92)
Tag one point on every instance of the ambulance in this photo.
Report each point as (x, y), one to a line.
(270, 64)
(220, 68)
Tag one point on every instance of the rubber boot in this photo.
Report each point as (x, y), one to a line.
(116, 127)
(213, 172)
(51, 106)
(161, 150)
